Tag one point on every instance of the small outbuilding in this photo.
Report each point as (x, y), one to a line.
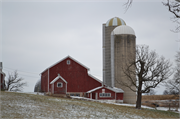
(106, 93)
(2, 78)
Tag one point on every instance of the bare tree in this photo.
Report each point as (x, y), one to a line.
(173, 85)
(37, 87)
(174, 7)
(14, 83)
(146, 72)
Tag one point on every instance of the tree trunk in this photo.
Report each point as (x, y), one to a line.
(138, 103)
(139, 96)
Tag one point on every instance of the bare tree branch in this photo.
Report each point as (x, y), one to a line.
(14, 83)
(174, 8)
(128, 4)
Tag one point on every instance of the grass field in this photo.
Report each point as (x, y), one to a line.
(158, 97)
(21, 105)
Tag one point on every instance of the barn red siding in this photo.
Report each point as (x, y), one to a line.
(106, 91)
(59, 90)
(119, 96)
(2, 78)
(44, 81)
(75, 74)
(92, 83)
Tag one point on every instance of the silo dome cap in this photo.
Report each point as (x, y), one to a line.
(123, 29)
(115, 22)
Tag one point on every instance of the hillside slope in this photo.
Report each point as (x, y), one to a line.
(21, 105)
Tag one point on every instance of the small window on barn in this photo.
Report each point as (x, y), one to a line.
(103, 90)
(59, 84)
(104, 94)
(71, 94)
(78, 95)
(68, 62)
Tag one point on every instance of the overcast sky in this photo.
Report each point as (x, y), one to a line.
(36, 35)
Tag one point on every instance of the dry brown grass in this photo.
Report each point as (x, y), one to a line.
(161, 100)
(17, 105)
(158, 97)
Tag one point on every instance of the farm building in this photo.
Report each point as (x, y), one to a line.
(70, 77)
(106, 93)
(2, 77)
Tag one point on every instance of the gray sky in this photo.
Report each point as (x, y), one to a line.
(36, 35)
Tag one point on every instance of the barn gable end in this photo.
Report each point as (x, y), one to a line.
(73, 72)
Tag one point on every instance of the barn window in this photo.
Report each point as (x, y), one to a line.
(78, 95)
(59, 84)
(103, 90)
(68, 62)
(104, 94)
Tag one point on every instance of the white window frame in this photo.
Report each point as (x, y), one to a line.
(59, 83)
(68, 62)
(104, 95)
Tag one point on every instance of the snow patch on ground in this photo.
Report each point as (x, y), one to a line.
(123, 104)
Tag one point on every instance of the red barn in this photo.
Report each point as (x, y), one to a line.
(70, 77)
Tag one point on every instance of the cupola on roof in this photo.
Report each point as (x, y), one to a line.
(115, 22)
(123, 29)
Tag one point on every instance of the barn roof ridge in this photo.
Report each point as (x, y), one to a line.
(64, 59)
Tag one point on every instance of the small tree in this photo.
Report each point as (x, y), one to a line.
(173, 85)
(146, 72)
(151, 92)
(14, 83)
(165, 92)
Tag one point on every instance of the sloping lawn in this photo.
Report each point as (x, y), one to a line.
(21, 105)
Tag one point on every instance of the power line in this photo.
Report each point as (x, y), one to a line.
(21, 70)
(22, 74)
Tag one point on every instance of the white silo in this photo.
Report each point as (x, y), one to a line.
(123, 46)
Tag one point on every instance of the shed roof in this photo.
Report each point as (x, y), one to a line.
(114, 89)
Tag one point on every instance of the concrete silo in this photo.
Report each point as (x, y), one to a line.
(119, 43)
(107, 29)
(123, 46)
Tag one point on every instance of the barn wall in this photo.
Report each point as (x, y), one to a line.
(2, 81)
(75, 74)
(106, 91)
(44, 80)
(59, 90)
(119, 96)
(92, 83)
